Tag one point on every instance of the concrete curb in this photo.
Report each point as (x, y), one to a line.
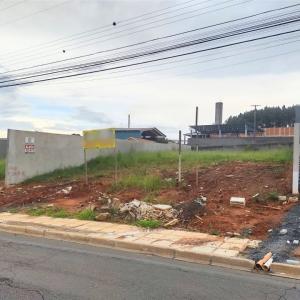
(238, 263)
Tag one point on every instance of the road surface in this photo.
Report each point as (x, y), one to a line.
(36, 268)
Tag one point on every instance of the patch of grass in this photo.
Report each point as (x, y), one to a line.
(54, 212)
(273, 196)
(140, 162)
(148, 223)
(86, 214)
(148, 183)
(2, 169)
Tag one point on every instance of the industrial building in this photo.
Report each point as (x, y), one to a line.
(150, 134)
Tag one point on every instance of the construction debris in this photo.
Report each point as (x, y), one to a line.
(265, 263)
(66, 190)
(102, 216)
(293, 199)
(139, 210)
(171, 223)
(188, 210)
(237, 201)
(283, 231)
(282, 198)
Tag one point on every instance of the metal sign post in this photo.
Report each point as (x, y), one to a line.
(296, 151)
(179, 157)
(99, 139)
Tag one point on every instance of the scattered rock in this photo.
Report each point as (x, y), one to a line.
(295, 242)
(115, 203)
(237, 201)
(162, 206)
(282, 198)
(50, 205)
(293, 199)
(270, 230)
(102, 216)
(66, 190)
(37, 186)
(283, 231)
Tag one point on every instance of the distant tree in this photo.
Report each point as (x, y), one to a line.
(266, 117)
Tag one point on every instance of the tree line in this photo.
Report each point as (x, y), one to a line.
(265, 117)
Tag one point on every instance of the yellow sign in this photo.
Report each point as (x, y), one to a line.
(99, 138)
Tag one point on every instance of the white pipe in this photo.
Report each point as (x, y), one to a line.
(267, 264)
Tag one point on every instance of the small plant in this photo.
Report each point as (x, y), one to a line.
(54, 212)
(86, 214)
(148, 223)
(273, 196)
(215, 232)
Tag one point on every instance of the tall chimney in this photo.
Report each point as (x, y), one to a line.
(128, 120)
(219, 113)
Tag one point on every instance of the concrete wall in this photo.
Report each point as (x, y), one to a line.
(3, 148)
(233, 142)
(57, 151)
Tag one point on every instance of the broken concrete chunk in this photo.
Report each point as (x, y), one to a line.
(293, 199)
(115, 203)
(295, 242)
(103, 216)
(66, 190)
(135, 202)
(283, 231)
(237, 201)
(282, 198)
(162, 206)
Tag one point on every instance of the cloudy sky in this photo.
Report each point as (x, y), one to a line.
(162, 95)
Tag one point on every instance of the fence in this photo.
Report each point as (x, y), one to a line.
(35, 153)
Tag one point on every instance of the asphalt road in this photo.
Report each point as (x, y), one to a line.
(35, 268)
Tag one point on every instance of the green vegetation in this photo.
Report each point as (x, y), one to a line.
(86, 214)
(148, 223)
(49, 211)
(148, 183)
(56, 212)
(2, 169)
(140, 163)
(273, 196)
(266, 117)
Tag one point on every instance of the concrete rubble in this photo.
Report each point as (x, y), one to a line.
(237, 201)
(139, 210)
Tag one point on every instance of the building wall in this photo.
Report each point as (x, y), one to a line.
(279, 131)
(236, 142)
(58, 151)
(3, 148)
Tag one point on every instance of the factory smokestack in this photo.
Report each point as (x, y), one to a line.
(219, 113)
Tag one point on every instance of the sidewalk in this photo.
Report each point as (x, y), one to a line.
(176, 244)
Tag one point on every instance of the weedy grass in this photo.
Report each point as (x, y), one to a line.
(148, 183)
(139, 162)
(2, 169)
(86, 214)
(149, 223)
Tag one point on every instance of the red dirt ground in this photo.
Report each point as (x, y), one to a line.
(218, 183)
